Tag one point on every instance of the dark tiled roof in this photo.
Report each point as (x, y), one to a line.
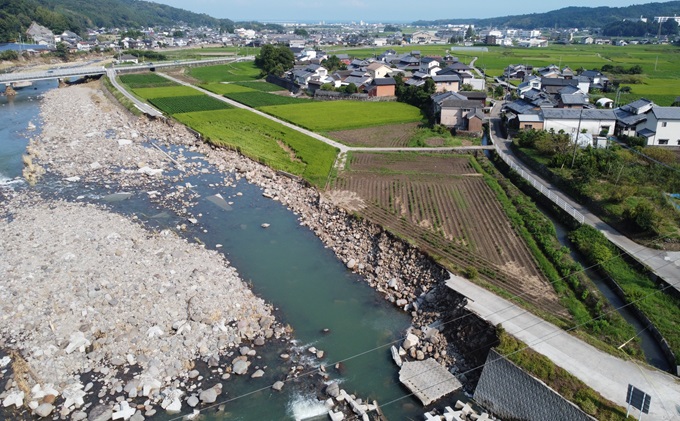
(446, 78)
(575, 114)
(384, 81)
(666, 113)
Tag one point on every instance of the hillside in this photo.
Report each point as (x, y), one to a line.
(77, 15)
(569, 17)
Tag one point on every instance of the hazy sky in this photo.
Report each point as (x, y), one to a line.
(374, 10)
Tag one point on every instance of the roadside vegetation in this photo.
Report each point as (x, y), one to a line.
(564, 383)
(598, 323)
(662, 309)
(626, 186)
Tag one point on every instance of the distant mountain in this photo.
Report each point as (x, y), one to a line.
(568, 17)
(77, 15)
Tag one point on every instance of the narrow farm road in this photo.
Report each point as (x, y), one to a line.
(338, 145)
(664, 264)
(608, 375)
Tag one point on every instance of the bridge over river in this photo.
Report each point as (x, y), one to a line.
(12, 79)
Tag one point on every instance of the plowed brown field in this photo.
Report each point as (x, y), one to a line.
(390, 136)
(441, 202)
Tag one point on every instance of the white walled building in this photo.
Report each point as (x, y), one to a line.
(662, 126)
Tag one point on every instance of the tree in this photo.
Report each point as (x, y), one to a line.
(392, 28)
(466, 87)
(62, 51)
(301, 32)
(333, 63)
(469, 33)
(274, 60)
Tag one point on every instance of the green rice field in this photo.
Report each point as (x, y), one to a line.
(146, 80)
(166, 92)
(261, 86)
(187, 104)
(242, 71)
(343, 115)
(257, 99)
(266, 141)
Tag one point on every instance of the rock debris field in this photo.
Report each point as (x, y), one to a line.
(101, 318)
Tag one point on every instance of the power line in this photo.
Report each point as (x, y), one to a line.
(315, 369)
(541, 340)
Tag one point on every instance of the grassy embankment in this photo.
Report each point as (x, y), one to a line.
(254, 136)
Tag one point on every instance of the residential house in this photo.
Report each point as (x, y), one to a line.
(532, 83)
(662, 126)
(597, 122)
(530, 121)
(630, 116)
(40, 34)
(551, 71)
(454, 112)
(517, 71)
(127, 58)
(422, 37)
(597, 79)
(553, 86)
(382, 87)
(446, 83)
(378, 70)
(475, 121)
(429, 65)
(479, 96)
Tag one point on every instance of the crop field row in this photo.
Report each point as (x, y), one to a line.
(187, 104)
(260, 86)
(265, 141)
(343, 115)
(388, 136)
(452, 213)
(146, 80)
(257, 99)
(166, 92)
(233, 72)
(415, 163)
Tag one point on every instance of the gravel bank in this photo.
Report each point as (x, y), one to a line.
(116, 296)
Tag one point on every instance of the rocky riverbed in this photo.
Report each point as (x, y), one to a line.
(88, 294)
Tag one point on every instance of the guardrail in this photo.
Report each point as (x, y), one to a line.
(545, 190)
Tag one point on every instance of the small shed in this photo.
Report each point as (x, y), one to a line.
(605, 103)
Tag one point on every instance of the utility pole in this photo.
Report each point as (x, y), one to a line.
(578, 132)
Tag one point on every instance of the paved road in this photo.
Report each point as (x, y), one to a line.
(665, 264)
(142, 106)
(608, 375)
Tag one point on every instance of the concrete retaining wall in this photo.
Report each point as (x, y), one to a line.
(511, 393)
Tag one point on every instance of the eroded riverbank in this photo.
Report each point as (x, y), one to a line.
(105, 146)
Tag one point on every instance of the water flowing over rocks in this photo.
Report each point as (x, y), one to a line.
(86, 291)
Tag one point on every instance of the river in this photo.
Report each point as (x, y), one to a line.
(286, 264)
